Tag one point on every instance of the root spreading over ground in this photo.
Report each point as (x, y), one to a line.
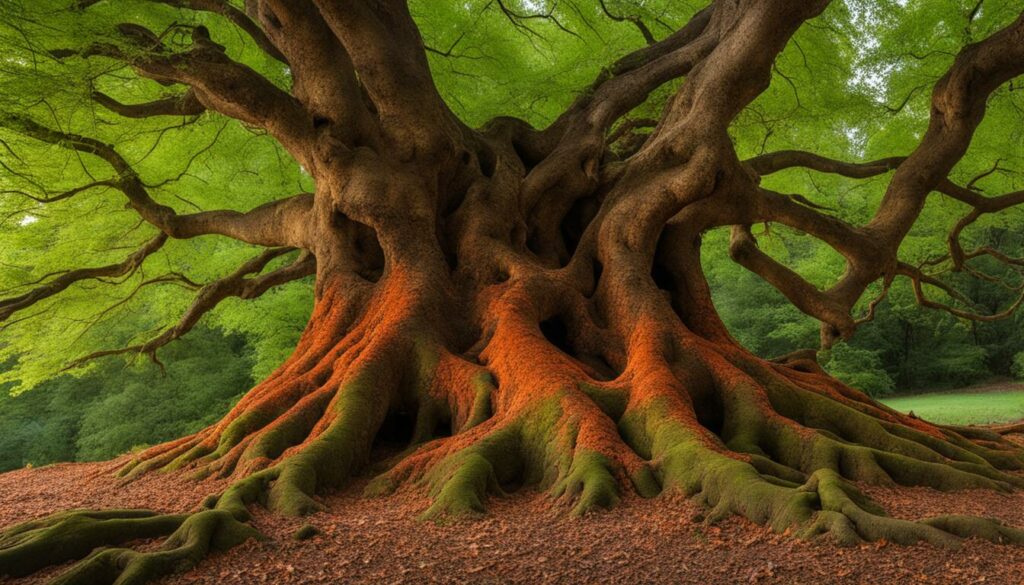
(763, 440)
(505, 306)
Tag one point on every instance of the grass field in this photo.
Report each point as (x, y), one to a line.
(998, 403)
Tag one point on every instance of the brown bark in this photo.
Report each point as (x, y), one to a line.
(527, 308)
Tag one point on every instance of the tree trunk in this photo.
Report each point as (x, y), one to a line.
(497, 368)
(525, 309)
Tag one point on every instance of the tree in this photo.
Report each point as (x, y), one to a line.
(519, 305)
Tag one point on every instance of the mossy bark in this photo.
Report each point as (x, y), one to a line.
(520, 307)
(542, 403)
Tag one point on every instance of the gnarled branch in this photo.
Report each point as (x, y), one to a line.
(218, 82)
(918, 278)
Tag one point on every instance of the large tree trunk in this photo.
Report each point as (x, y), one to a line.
(463, 334)
(523, 308)
(497, 367)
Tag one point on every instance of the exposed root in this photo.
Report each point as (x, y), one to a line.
(778, 446)
(69, 536)
(566, 446)
(850, 517)
(1014, 429)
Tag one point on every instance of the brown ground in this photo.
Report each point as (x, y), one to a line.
(528, 539)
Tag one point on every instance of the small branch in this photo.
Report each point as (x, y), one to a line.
(65, 194)
(209, 296)
(635, 20)
(515, 18)
(280, 222)
(919, 278)
(873, 305)
(236, 17)
(124, 268)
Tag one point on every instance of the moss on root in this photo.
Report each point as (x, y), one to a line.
(767, 492)
(544, 446)
(306, 532)
(774, 452)
(31, 546)
(70, 536)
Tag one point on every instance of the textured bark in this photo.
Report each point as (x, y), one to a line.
(527, 307)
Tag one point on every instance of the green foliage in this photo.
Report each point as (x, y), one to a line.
(860, 368)
(121, 407)
(854, 84)
(1018, 366)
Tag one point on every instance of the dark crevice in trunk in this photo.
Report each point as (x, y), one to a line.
(395, 433)
(602, 371)
(512, 478)
(524, 157)
(443, 428)
(368, 255)
(575, 223)
(707, 401)
(662, 277)
(596, 270)
(556, 331)
(487, 160)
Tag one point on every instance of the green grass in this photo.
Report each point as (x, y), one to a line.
(963, 408)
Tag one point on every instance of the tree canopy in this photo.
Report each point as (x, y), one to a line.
(507, 211)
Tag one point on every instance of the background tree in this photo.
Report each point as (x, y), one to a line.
(517, 305)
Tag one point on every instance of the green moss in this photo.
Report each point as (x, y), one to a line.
(459, 484)
(29, 547)
(462, 492)
(197, 535)
(611, 401)
(483, 385)
(590, 483)
(333, 456)
(235, 499)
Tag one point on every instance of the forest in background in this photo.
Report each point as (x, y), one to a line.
(870, 77)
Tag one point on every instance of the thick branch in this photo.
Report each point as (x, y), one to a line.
(627, 83)
(774, 162)
(958, 106)
(218, 82)
(324, 79)
(388, 53)
(978, 201)
(820, 305)
(186, 104)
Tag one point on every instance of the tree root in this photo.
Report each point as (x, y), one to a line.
(777, 446)
(1013, 429)
(566, 446)
(29, 547)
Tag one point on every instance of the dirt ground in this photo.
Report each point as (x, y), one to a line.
(529, 539)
